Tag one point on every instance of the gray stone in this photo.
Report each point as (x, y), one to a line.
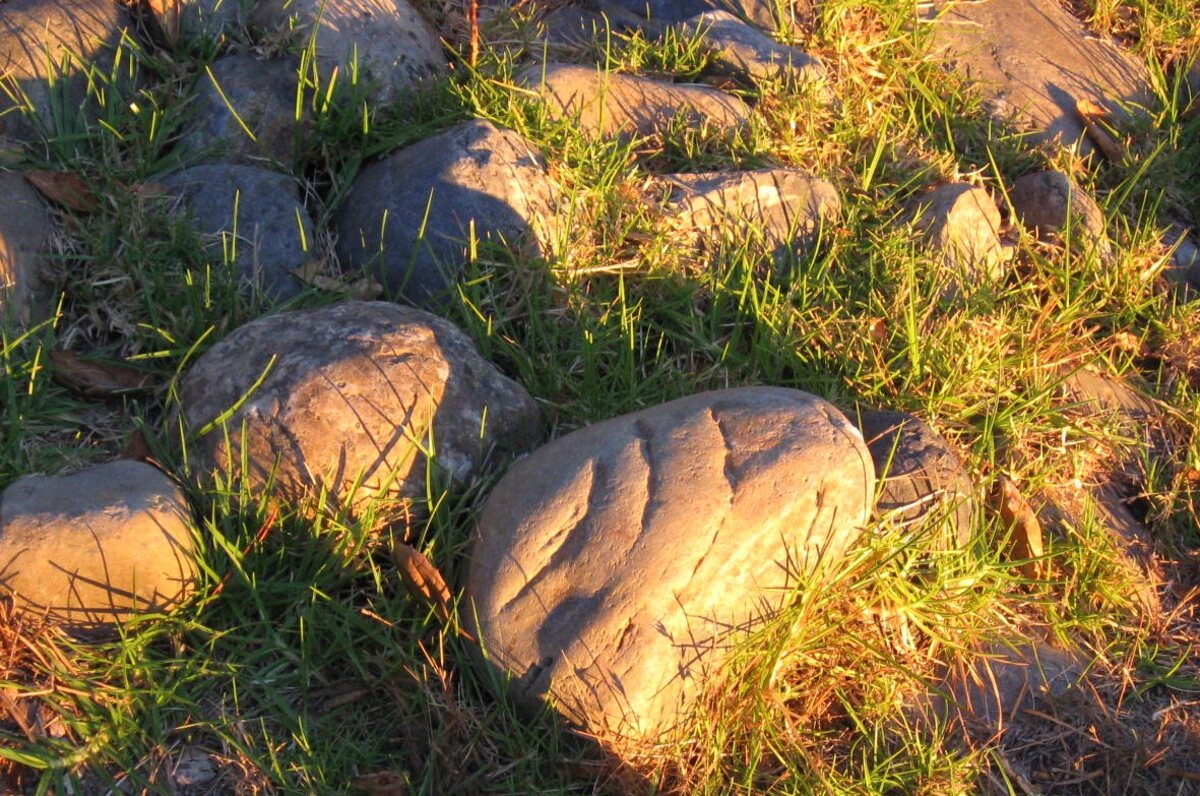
(245, 111)
(24, 235)
(273, 230)
(1034, 61)
(1108, 395)
(1184, 267)
(749, 54)
(409, 217)
(611, 567)
(573, 28)
(350, 398)
(45, 49)
(782, 207)
(623, 105)
(768, 15)
(90, 549)
(395, 46)
(922, 475)
(995, 684)
(1049, 202)
(963, 224)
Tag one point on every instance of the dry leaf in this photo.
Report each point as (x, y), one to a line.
(383, 783)
(96, 379)
(168, 13)
(364, 288)
(63, 188)
(1020, 519)
(422, 579)
(136, 448)
(877, 330)
(1092, 116)
(149, 190)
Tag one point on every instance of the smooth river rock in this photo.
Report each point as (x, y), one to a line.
(1033, 61)
(45, 43)
(609, 566)
(87, 550)
(409, 217)
(608, 104)
(748, 54)
(963, 224)
(24, 235)
(356, 393)
(394, 47)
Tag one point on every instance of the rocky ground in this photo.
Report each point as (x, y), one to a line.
(551, 335)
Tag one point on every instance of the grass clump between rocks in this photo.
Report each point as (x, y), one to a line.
(301, 663)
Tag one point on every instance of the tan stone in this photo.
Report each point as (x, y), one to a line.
(617, 104)
(92, 548)
(610, 566)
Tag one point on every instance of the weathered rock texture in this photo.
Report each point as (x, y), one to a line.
(1049, 202)
(921, 474)
(617, 104)
(200, 17)
(963, 224)
(394, 46)
(245, 111)
(610, 566)
(253, 218)
(749, 54)
(353, 393)
(409, 217)
(24, 233)
(783, 208)
(92, 548)
(1033, 60)
(46, 47)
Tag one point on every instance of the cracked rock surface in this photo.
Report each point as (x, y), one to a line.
(610, 565)
(355, 392)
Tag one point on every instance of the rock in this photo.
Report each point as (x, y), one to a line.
(573, 28)
(273, 228)
(749, 54)
(921, 474)
(395, 48)
(609, 566)
(782, 207)
(995, 684)
(1184, 268)
(90, 549)
(24, 234)
(662, 11)
(207, 18)
(352, 393)
(616, 104)
(409, 217)
(963, 224)
(768, 15)
(45, 43)
(1018, 77)
(245, 111)
(1049, 202)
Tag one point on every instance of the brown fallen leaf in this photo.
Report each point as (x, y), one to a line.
(364, 288)
(63, 188)
(383, 783)
(422, 579)
(1025, 531)
(1092, 116)
(877, 330)
(96, 379)
(137, 449)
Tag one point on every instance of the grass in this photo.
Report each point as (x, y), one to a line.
(302, 665)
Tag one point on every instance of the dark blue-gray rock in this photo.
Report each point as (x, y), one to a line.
(572, 28)
(1184, 267)
(252, 220)
(89, 550)
(748, 54)
(24, 236)
(245, 111)
(408, 218)
(782, 208)
(611, 567)
(772, 16)
(1049, 203)
(606, 104)
(387, 42)
(356, 400)
(963, 224)
(1033, 61)
(46, 47)
(921, 475)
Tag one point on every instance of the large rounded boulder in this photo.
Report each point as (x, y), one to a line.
(353, 399)
(611, 565)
